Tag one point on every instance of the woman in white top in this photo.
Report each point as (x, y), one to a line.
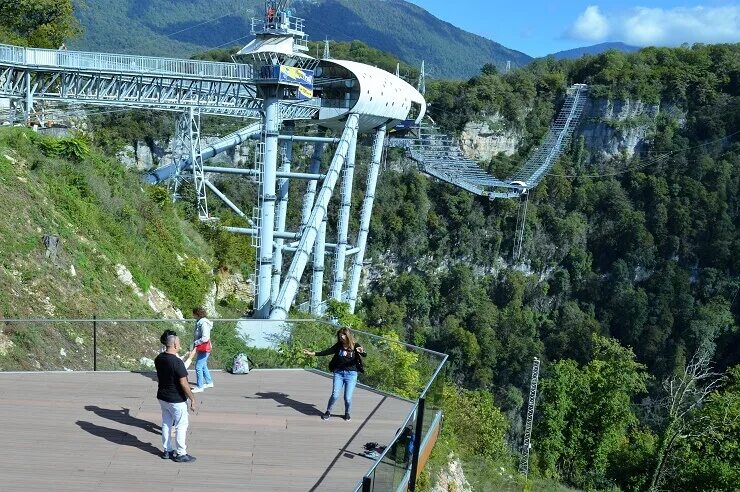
(202, 347)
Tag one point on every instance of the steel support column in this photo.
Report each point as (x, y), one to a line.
(343, 225)
(308, 236)
(317, 276)
(197, 159)
(282, 211)
(314, 168)
(267, 204)
(29, 99)
(367, 209)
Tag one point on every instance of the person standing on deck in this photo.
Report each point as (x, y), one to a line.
(173, 392)
(202, 347)
(345, 364)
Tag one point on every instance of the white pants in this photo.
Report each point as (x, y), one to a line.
(174, 415)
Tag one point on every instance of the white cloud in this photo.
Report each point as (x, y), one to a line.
(645, 26)
(650, 26)
(591, 25)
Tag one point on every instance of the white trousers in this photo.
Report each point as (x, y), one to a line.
(174, 415)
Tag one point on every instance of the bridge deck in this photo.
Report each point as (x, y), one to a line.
(261, 432)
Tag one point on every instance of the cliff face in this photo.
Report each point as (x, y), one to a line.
(481, 140)
(609, 128)
(612, 127)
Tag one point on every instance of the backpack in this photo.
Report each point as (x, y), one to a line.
(241, 364)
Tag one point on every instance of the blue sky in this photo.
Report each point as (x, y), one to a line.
(539, 27)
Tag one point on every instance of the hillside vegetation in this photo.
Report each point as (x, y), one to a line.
(629, 275)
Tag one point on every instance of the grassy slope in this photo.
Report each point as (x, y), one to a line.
(103, 217)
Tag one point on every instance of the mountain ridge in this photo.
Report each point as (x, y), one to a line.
(594, 49)
(165, 28)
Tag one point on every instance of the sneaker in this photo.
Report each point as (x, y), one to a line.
(183, 458)
(167, 455)
(208, 385)
(347, 417)
(326, 416)
(197, 389)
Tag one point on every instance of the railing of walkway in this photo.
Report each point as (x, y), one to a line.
(113, 62)
(391, 366)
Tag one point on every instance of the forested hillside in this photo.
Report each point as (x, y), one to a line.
(629, 272)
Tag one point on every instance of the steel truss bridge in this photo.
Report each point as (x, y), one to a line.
(249, 90)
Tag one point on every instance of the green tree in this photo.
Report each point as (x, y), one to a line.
(586, 413)
(709, 457)
(40, 23)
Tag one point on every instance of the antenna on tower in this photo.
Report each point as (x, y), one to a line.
(327, 54)
(527, 445)
(421, 86)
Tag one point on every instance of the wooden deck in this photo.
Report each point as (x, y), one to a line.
(262, 431)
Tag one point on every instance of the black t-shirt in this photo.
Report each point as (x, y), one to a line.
(169, 371)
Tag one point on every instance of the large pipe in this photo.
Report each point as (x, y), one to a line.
(228, 142)
(252, 172)
(367, 209)
(251, 231)
(267, 206)
(343, 226)
(304, 138)
(282, 211)
(300, 259)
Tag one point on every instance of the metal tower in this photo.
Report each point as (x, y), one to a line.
(527, 445)
(421, 86)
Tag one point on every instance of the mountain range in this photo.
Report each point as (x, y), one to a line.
(181, 28)
(594, 50)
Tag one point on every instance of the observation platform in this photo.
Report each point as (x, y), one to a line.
(80, 431)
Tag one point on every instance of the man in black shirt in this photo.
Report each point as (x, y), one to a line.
(173, 392)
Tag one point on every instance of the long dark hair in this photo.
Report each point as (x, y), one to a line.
(350, 339)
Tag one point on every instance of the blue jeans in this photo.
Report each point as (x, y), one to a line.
(348, 379)
(201, 369)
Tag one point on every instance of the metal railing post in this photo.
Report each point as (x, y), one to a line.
(417, 443)
(366, 484)
(95, 343)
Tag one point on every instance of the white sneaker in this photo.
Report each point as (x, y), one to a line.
(197, 390)
(208, 385)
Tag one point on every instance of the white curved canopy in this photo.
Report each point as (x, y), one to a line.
(379, 97)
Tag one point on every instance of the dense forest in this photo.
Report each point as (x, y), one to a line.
(627, 287)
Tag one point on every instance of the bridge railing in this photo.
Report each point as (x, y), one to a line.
(110, 62)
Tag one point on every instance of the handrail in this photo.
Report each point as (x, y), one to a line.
(150, 65)
(388, 448)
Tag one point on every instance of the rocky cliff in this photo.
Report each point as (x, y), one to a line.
(609, 128)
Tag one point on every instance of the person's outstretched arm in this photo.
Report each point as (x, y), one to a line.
(328, 351)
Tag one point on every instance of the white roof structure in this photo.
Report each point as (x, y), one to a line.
(379, 97)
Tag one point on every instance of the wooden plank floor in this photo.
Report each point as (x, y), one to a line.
(82, 431)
